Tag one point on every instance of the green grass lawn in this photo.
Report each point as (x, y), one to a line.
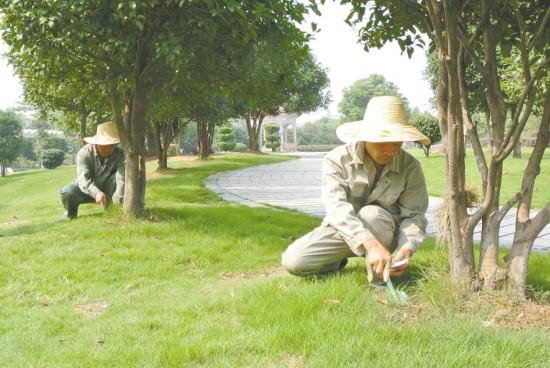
(434, 170)
(198, 284)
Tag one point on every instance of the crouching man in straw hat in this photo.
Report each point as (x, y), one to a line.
(100, 172)
(375, 198)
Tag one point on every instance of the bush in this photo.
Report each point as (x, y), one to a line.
(429, 126)
(172, 150)
(225, 138)
(52, 158)
(240, 147)
(272, 139)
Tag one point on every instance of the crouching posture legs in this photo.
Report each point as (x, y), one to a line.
(323, 250)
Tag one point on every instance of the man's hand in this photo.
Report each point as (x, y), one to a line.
(101, 199)
(379, 258)
(403, 253)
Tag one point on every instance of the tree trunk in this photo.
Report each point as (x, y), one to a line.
(518, 260)
(527, 229)
(151, 142)
(253, 126)
(3, 168)
(130, 121)
(460, 253)
(203, 140)
(426, 150)
(83, 118)
(517, 150)
(161, 149)
(489, 270)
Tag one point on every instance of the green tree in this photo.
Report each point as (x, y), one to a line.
(467, 33)
(131, 49)
(11, 139)
(281, 75)
(225, 139)
(272, 139)
(44, 141)
(356, 97)
(429, 126)
(322, 131)
(52, 158)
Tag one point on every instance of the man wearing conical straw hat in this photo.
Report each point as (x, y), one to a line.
(100, 172)
(375, 198)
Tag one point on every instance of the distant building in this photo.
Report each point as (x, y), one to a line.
(284, 121)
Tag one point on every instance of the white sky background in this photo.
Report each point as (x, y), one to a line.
(335, 47)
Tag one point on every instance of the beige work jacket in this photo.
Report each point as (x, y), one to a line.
(401, 190)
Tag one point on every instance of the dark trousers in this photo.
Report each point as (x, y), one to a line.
(72, 196)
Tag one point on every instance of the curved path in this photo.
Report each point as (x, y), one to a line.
(296, 184)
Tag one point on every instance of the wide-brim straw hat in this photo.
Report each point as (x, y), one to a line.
(384, 121)
(107, 133)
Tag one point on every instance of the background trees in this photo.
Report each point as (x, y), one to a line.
(286, 77)
(131, 49)
(356, 97)
(429, 126)
(322, 131)
(11, 140)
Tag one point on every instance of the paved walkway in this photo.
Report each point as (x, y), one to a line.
(296, 184)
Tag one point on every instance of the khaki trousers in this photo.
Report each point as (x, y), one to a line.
(323, 249)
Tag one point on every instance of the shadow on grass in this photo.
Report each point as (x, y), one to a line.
(15, 177)
(27, 229)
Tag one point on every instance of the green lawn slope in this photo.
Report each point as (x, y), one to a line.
(197, 283)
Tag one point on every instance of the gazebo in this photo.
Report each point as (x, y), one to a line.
(283, 121)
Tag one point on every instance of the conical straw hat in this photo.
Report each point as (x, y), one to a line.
(384, 121)
(107, 133)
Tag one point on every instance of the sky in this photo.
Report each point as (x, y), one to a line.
(335, 47)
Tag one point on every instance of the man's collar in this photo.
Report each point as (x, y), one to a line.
(360, 157)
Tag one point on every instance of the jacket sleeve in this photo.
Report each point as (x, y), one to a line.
(84, 173)
(118, 196)
(413, 203)
(340, 213)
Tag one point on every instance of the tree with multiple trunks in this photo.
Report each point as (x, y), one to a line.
(128, 49)
(472, 33)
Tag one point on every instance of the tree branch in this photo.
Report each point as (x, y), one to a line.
(468, 47)
(541, 29)
(433, 12)
(540, 220)
(517, 126)
(509, 204)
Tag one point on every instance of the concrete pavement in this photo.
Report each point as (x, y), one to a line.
(296, 185)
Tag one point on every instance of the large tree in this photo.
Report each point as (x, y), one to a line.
(129, 48)
(356, 97)
(11, 139)
(280, 76)
(465, 33)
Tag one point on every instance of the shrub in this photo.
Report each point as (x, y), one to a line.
(429, 126)
(240, 147)
(52, 158)
(272, 139)
(225, 138)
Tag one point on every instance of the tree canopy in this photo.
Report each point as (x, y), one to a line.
(11, 139)
(357, 96)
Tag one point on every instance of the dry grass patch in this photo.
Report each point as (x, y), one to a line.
(92, 308)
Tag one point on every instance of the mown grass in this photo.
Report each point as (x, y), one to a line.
(198, 284)
(434, 170)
